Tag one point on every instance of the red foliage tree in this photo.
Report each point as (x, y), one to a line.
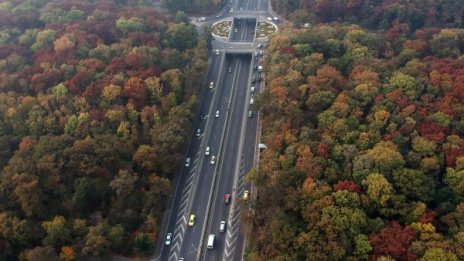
(432, 131)
(135, 60)
(428, 217)
(287, 49)
(116, 65)
(349, 185)
(135, 89)
(323, 150)
(394, 241)
(451, 154)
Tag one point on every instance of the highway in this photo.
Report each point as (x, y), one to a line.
(224, 126)
(243, 30)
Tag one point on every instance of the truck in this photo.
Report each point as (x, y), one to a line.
(211, 238)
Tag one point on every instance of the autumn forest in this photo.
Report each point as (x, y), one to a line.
(363, 122)
(96, 104)
(362, 117)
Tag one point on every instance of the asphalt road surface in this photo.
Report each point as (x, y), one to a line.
(226, 128)
(243, 30)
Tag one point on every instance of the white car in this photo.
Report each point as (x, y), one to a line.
(251, 101)
(198, 133)
(250, 114)
(252, 89)
(213, 160)
(211, 85)
(217, 114)
(168, 239)
(217, 51)
(222, 226)
(187, 162)
(207, 151)
(269, 18)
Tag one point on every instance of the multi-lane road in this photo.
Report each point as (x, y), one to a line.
(225, 127)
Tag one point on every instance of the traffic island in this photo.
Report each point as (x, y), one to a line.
(222, 29)
(265, 29)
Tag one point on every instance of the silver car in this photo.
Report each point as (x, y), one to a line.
(213, 160)
(222, 226)
(167, 242)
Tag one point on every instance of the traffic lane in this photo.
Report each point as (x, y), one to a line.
(263, 5)
(191, 239)
(253, 5)
(222, 212)
(195, 144)
(226, 182)
(185, 172)
(226, 153)
(250, 26)
(236, 31)
(243, 30)
(249, 155)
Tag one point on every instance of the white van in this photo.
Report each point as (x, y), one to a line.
(211, 241)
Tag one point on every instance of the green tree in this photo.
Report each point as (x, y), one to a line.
(438, 254)
(182, 17)
(386, 156)
(414, 184)
(96, 243)
(116, 237)
(455, 180)
(362, 247)
(378, 189)
(181, 36)
(406, 83)
(44, 39)
(320, 100)
(133, 24)
(88, 195)
(57, 232)
(143, 245)
(71, 125)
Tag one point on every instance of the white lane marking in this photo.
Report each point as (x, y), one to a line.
(173, 256)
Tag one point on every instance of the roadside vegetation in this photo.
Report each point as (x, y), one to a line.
(365, 134)
(265, 29)
(222, 29)
(96, 105)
